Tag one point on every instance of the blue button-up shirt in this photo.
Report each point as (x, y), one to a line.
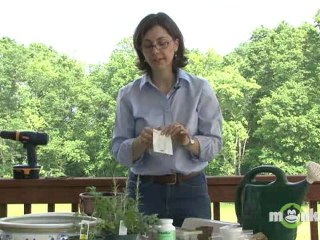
(191, 102)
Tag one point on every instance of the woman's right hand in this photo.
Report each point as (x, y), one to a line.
(142, 142)
(146, 137)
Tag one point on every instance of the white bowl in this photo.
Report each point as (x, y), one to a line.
(48, 226)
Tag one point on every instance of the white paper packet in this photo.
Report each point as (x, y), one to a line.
(162, 143)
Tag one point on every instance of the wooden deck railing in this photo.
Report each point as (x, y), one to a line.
(53, 191)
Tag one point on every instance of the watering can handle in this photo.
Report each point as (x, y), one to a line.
(281, 179)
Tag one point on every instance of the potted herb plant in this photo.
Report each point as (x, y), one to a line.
(116, 211)
(88, 199)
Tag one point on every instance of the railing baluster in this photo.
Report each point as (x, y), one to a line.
(3, 210)
(75, 207)
(27, 208)
(216, 210)
(51, 207)
(314, 224)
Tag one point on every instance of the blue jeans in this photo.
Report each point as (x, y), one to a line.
(188, 198)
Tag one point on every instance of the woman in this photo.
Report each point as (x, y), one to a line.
(181, 106)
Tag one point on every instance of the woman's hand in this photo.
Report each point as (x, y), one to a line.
(178, 133)
(142, 142)
(146, 137)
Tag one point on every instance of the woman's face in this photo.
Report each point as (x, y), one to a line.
(159, 48)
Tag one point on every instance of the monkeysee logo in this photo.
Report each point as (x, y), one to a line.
(291, 215)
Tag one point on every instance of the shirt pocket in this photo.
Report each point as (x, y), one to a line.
(152, 118)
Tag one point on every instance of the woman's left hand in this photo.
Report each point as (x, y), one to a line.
(178, 132)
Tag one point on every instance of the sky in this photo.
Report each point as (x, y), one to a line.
(88, 30)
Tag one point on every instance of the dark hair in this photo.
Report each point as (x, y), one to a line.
(163, 20)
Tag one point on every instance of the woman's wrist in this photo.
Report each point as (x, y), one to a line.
(190, 142)
(138, 148)
(193, 146)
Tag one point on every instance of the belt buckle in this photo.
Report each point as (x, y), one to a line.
(175, 180)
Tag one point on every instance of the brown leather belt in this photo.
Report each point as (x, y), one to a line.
(169, 178)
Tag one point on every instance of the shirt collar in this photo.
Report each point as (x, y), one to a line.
(182, 75)
(144, 80)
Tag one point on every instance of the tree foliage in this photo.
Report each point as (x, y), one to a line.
(268, 89)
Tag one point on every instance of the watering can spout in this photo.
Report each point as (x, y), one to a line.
(273, 208)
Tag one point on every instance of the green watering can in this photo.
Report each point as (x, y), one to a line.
(273, 208)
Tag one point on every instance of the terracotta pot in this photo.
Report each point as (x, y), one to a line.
(87, 201)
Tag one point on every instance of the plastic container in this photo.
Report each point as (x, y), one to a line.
(246, 235)
(231, 232)
(216, 236)
(166, 230)
(185, 234)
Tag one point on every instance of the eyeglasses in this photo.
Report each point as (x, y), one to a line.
(159, 45)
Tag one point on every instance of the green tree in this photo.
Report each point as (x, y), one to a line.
(13, 58)
(118, 72)
(289, 128)
(235, 94)
(268, 89)
(279, 59)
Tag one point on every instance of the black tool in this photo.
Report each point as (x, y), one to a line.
(30, 140)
